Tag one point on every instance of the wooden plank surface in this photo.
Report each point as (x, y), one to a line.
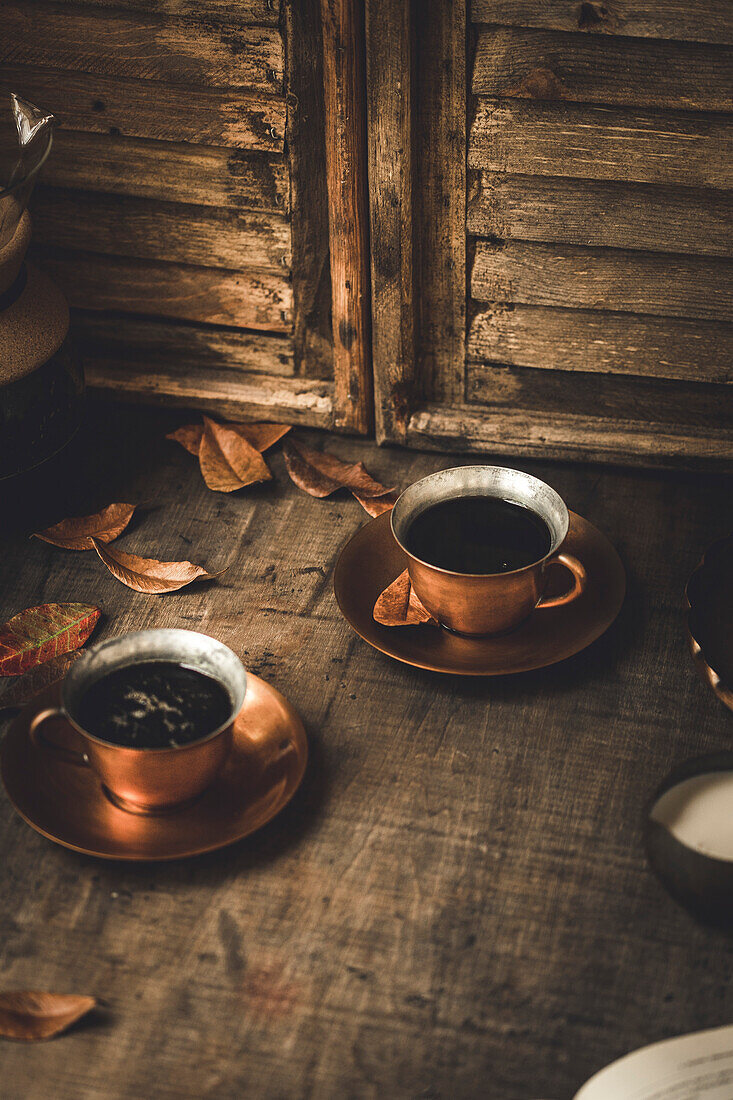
(440, 196)
(146, 47)
(227, 11)
(246, 299)
(591, 340)
(711, 21)
(699, 405)
(344, 100)
(100, 104)
(390, 129)
(591, 212)
(180, 347)
(603, 278)
(514, 61)
(170, 231)
(247, 397)
(554, 139)
(311, 274)
(463, 864)
(583, 437)
(169, 171)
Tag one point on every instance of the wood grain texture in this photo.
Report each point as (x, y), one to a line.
(463, 865)
(348, 210)
(98, 103)
(603, 279)
(626, 72)
(169, 171)
(146, 47)
(180, 347)
(245, 299)
(553, 139)
(590, 340)
(590, 212)
(440, 196)
(390, 129)
(255, 397)
(498, 430)
(675, 19)
(311, 274)
(698, 405)
(237, 11)
(171, 231)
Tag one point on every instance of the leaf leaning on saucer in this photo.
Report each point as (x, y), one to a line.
(30, 1015)
(77, 533)
(399, 606)
(148, 574)
(37, 634)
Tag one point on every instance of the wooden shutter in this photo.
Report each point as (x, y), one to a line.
(564, 213)
(184, 207)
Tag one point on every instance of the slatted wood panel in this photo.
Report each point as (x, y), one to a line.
(599, 230)
(175, 210)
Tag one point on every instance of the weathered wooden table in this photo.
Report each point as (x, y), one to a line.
(457, 903)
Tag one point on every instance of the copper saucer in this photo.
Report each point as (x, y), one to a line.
(66, 802)
(372, 559)
(709, 596)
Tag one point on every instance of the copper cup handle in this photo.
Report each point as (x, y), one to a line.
(69, 756)
(580, 578)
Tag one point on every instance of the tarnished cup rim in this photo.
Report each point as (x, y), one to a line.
(557, 540)
(94, 653)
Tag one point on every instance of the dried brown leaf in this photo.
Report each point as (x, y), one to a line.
(77, 533)
(228, 461)
(148, 574)
(31, 1015)
(376, 506)
(321, 474)
(19, 690)
(399, 606)
(259, 434)
(37, 634)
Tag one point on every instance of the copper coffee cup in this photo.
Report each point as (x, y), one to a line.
(487, 603)
(147, 780)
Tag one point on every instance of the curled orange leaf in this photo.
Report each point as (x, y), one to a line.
(77, 533)
(148, 574)
(32, 1015)
(228, 462)
(399, 606)
(321, 474)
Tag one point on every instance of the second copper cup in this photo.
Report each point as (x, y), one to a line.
(487, 603)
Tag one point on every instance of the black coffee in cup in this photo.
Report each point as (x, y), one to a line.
(154, 705)
(478, 534)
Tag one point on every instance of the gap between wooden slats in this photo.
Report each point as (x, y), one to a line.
(180, 347)
(603, 279)
(174, 232)
(101, 104)
(503, 431)
(172, 172)
(711, 21)
(554, 139)
(623, 71)
(149, 47)
(696, 404)
(589, 212)
(246, 299)
(613, 343)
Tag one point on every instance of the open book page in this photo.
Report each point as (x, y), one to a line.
(690, 1067)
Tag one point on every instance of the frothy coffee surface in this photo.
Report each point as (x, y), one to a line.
(478, 534)
(154, 705)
